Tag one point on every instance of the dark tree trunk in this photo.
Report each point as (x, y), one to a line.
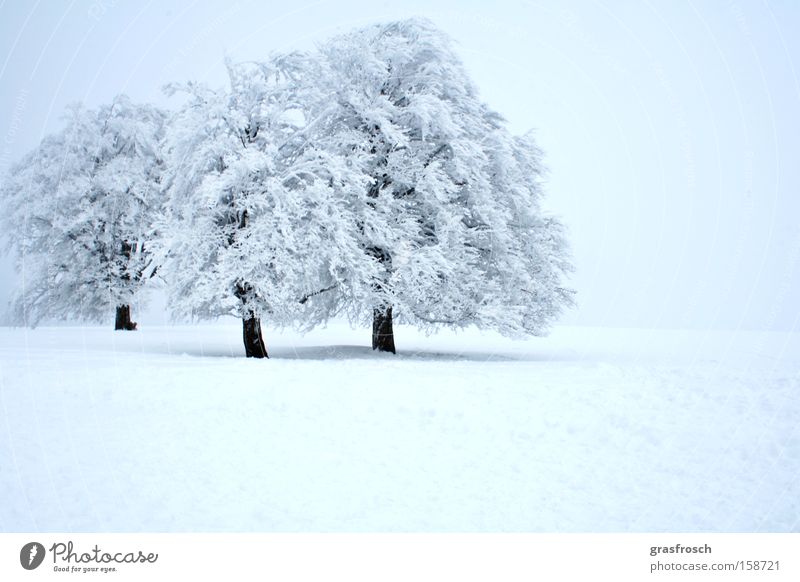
(123, 320)
(254, 346)
(382, 332)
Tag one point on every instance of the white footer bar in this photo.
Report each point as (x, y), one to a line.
(400, 557)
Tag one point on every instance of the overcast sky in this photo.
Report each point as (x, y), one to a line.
(671, 129)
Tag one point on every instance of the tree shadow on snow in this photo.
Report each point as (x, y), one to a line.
(355, 352)
(197, 347)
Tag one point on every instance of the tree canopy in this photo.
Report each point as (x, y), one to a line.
(365, 178)
(79, 211)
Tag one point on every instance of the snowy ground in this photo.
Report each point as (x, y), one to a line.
(171, 429)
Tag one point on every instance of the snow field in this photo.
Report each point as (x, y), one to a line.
(171, 429)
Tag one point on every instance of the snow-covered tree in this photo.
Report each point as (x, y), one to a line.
(450, 229)
(78, 211)
(256, 225)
